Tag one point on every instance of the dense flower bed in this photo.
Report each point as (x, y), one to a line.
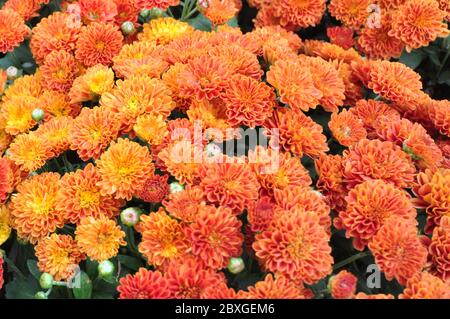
(220, 149)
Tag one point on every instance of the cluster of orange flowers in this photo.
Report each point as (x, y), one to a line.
(119, 100)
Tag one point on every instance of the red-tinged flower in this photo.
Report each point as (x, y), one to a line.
(295, 84)
(439, 248)
(296, 246)
(444, 5)
(362, 295)
(33, 208)
(97, 11)
(352, 13)
(219, 11)
(398, 250)
(96, 81)
(59, 31)
(13, 30)
(79, 196)
(164, 30)
(260, 214)
(374, 159)
(331, 180)
(55, 133)
(221, 291)
(299, 14)
(4, 182)
(204, 77)
(439, 113)
(186, 204)
(127, 11)
(58, 255)
(161, 4)
(425, 286)
(418, 22)
(163, 239)
(27, 9)
(144, 284)
(98, 43)
(369, 205)
(215, 236)
(155, 189)
(343, 285)
(123, 168)
(298, 133)
(3, 80)
(444, 146)
(92, 132)
(266, 16)
(276, 288)
(346, 128)
(341, 36)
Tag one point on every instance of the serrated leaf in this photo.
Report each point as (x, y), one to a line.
(22, 288)
(33, 268)
(130, 262)
(412, 59)
(83, 288)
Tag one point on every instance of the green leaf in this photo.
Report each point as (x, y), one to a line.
(233, 22)
(132, 263)
(412, 59)
(434, 58)
(22, 288)
(83, 287)
(200, 22)
(33, 268)
(444, 77)
(91, 268)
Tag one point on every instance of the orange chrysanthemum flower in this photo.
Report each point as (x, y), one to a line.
(150, 4)
(294, 84)
(170, 79)
(341, 36)
(271, 33)
(127, 11)
(151, 128)
(98, 44)
(96, 81)
(97, 11)
(92, 131)
(260, 214)
(59, 71)
(278, 288)
(55, 133)
(79, 196)
(398, 250)
(374, 159)
(29, 151)
(362, 295)
(58, 255)
(299, 14)
(155, 189)
(186, 204)
(298, 133)
(342, 285)
(13, 30)
(439, 113)
(295, 246)
(352, 13)
(33, 208)
(444, 146)
(163, 239)
(27, 9)
(353, 87)
(59, 31)
(136, 96)
(56, 104)
(219, 11)
(438, 250)
(99, 238)
(276, 49)
(215, 236)
(144, 284)
(369, 205)
(331, 180)
(164, 30)
(17, 113)
(347, 129)
(220, 292)
(186, 47)
(419, 22)
(123, 168)
(329, 51)
(425, 286)
(3, 80)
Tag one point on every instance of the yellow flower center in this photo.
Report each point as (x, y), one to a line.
(100, 46)
(88, 198)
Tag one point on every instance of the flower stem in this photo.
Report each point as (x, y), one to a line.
(351, 259)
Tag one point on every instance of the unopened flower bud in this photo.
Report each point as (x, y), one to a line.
(236, 265)
(12, 73)
(130, 216)
(46, 281)
(40, 295)
(128, 28)
(155, 13)
(105, 269)
(38, 114)
(176, 187)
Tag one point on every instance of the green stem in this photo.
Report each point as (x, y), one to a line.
(350, 260)
(131, 241)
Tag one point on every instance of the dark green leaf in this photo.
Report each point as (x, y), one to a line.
(444, 77)
(130, 262)
(83, 286)
(434, 58)
(91, 268)
(33, 268)
(412, 59)
(22, 288)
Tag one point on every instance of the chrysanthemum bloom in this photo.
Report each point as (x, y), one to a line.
(56, 32)
(2, 281)
(98, 44)
(164, 30)
(58, 255)
(267, 16)
(17, 113)
(204, 77)
(298, 133)
(341, 36)
(329, 51)
(438, 250)
(33, 208)
(418, 22)
(187, 46)
(150, 4)
(139, 58)
(4, 183)
(221, 291)
(215, 236)
(13, 30)
(123, 168)
(25, 85)
(99, 238)
(295, 246)
(294, 84)
(29, 151)
(97, 10)
(219, 11)
(425, 286)
(362, 295)
(432, 191)
(300, 14)
(127, 10)
(79, 196)
(163, 239)
(144, 284)
(260, 213)
(262, 35)
(55, 133)
(374, 159)
(189, 279)
(151, 128)
(3, 79)
(276, 49)
(96, 81)
(136, 96)
(439, 113)
(5, 224)
(92, 131)
(155, 189)
(347, 129)
(59, 71)
(396, 82)
(185, 205)
(398, 250)
(278, 288)
(232, 185)
(444, 146)
(14, 174)
(376, 43)
(369, 205)
(57, 104)
(170, 79)
(27, 9)
(247, 101)
(342, 285)
(444, 5)
(352, 13)
(353, 86)
(369, 111)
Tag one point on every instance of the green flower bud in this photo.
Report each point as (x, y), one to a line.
(175, 187)
(128, 28)
(105, 269)
(12, 72)
(130, 216)
(40, 295)
(236, 265)
(38, 114)
(46, 281)
(156, 13)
